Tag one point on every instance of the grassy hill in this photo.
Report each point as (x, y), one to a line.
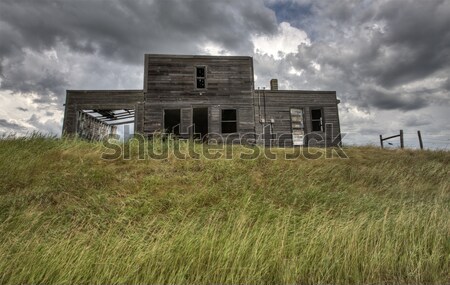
(68, 216)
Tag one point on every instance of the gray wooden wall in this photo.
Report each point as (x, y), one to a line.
(277, 107)
(170, 84)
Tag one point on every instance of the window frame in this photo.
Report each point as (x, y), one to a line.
(321, 120)
(197, 77)
(236, 121)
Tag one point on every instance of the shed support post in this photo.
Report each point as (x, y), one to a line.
(381, 141)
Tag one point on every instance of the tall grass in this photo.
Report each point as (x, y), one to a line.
(67, 216)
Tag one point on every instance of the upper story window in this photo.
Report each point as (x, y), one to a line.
(200, 77)
(317, 120)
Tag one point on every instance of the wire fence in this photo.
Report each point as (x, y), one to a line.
(440, 141)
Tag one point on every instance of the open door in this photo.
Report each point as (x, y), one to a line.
(298, 129)
(200, 122)
(172, 119)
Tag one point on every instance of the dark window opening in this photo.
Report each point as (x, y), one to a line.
(200, 77)
(200, 122)
(200, 71)
(229, 121)
(200, 83)
(172, 120)
(229, 115)
(317, 120)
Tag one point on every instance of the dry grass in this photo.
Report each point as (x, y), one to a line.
(67, 216)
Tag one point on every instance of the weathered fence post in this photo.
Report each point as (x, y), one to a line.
(420, 139)
(402, 144)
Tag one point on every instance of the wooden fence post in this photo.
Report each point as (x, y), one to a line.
(381, 141)
(420, 139)
(402, 144)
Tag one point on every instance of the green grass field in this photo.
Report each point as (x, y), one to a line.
(67, 216)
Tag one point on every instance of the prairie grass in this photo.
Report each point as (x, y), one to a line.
(67, 216)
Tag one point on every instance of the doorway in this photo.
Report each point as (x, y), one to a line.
(200, 122)
(172, 119)
(298, 129)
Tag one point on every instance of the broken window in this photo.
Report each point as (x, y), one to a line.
(229, 121)
(200, 77)
(317, 120)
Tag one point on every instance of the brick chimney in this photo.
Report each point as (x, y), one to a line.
(274, 84)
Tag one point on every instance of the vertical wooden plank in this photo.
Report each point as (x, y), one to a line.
(420, 139)
(186, 120)
(214, 123)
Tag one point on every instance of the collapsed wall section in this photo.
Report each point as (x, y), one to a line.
(105, 102)
(91, 128)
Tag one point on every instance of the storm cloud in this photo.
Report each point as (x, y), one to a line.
(10, 125)
(386, 45)
(125, 30)
(116, 31)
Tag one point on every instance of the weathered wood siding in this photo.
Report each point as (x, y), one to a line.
(77, 100)
(277, 107)
(170, 84)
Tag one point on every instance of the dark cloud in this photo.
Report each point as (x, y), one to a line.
(49, 85)
(416, 40)
(48, 127)
(417, 121)
(446, 85)
(11, 125)
(125, 30)
(116, 31)
(390, 101)
(22, 109)
(379, 46)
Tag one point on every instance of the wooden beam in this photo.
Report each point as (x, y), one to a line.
(391, 137)
(116, 119)
(120, 123)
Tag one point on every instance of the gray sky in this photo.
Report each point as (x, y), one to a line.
(389, 61)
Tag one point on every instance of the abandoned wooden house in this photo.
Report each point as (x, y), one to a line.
(209, 97)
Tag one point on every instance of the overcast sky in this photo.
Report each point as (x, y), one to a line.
(389, 61)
